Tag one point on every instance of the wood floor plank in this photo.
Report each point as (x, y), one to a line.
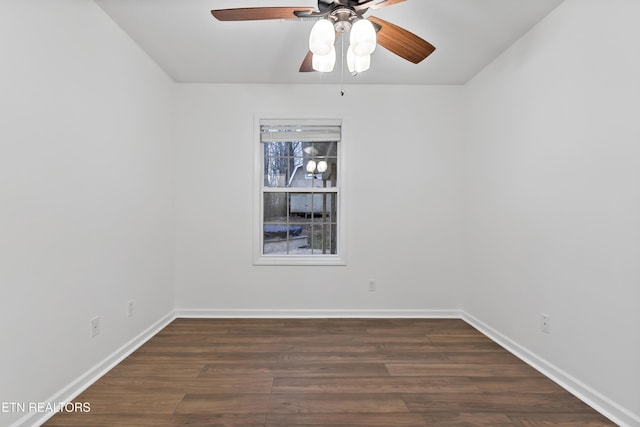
(144, 370)
(505, 403)
(262, 348)
(208, 325)
(203, 358)
(470, 338)
(441, 347)
(337, 403)
(193, 339)
(481, 357)
(295, 370)
(374, 385)
(377, 357)
(208, 404)
(278, 404)
(149, 420)
(136, 403)
(461, 369)
(342, 419)
(411, 330)
(357, 338)
(184, 385)
(325, 372)
(471, 419)
(560, 420)
(531, 384)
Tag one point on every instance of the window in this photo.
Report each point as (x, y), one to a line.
(298, 176)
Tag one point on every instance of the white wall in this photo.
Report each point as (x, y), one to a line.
(86, 193)
(554, 195)
(403, 181)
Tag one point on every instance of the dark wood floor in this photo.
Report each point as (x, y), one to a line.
(325, 372)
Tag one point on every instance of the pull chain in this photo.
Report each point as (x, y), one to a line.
(342, 66)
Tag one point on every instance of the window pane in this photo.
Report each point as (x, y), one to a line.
(323, 237)
(323, 230)
(313, 205)
(276, 208)
(300, 164)
(300, 223)
(320, 165)
(280, 162)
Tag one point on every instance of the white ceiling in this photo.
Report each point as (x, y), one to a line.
(191, 46)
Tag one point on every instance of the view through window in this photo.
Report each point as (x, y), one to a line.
(300, 192)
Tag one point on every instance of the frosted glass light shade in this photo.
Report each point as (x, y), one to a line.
(322, 37)
(324, 63)
(357, 64)
(322, 166)
(311, 166)
(363, 38)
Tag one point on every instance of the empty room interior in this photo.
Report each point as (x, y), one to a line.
(491, 191)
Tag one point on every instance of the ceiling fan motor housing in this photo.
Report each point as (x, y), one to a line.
(342, 19)
(350, 3)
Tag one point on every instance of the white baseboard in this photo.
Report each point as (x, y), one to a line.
(81, 383)
(588, 395)
(284, 313)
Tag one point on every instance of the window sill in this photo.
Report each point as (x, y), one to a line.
(290, 260)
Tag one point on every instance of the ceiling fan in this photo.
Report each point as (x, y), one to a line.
(343, 16)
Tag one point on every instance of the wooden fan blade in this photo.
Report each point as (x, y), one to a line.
(402, 42)
(258, 13)
(307, 62)
(307, 66)
(386, 3)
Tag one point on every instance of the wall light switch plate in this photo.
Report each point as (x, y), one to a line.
(545, 323)
(95, 326)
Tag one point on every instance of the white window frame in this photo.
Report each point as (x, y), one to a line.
(258, 210)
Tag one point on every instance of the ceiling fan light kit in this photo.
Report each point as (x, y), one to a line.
(322, 37)
(324, 63)
(357, 64)
(359, 52)
(334, 18)
(363, 38)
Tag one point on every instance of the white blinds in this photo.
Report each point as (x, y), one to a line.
(303, 131)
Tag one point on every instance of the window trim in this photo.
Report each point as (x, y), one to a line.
(258, 191)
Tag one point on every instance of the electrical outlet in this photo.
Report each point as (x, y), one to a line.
(130, 311)
(372, 285)
(545, 323)
(95, 326)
